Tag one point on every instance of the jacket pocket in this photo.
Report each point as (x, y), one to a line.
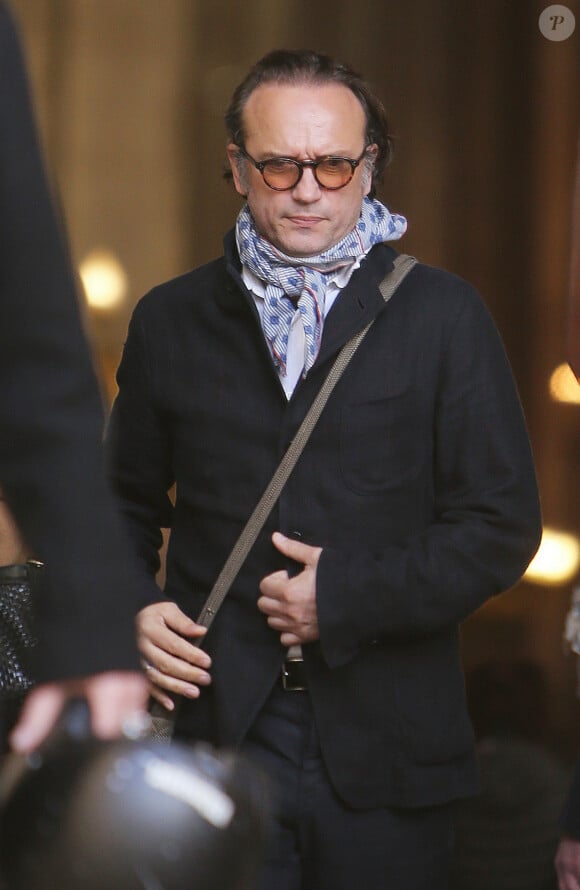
(382, 442)
(431, 703)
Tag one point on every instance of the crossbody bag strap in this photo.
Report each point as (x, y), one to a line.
(402, 266)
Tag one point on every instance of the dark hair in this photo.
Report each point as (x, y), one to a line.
(306, 66)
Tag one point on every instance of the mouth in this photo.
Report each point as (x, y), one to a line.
(305, 222)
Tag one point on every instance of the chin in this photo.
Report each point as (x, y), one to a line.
(299, 247)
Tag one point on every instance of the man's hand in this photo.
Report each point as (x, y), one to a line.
(114, 699)
(290, 603)
(568, 864)
(171, 662)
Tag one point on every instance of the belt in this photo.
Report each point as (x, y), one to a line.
(293, 677)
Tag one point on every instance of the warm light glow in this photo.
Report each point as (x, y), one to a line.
(104, 280)
(557, 560)
(563, 385)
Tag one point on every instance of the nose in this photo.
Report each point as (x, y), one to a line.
(306, 189)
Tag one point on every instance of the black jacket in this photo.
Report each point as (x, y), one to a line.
(418, 483)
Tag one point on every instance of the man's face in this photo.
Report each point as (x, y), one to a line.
(303, 122)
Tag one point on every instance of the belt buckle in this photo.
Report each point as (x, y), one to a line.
(293, 676)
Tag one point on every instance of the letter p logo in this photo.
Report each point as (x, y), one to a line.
(557, 22)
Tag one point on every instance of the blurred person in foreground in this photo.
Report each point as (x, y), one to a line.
(334, 660)
(51, 461)
(19, 571)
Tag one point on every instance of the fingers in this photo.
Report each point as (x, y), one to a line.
(290, 607)
(158, 617)
(281, 612)
(291, 639)
(292, 633)
(275, 589)
(171, 662)
(165, 672)
(296, 550)
(114, 697)
(162, 697)
(290, 603)
(41, 710)
(160, 629)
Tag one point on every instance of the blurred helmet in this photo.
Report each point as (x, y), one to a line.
(90, 815)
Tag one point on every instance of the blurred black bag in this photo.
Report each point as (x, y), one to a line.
(16, 635)
(86, 814)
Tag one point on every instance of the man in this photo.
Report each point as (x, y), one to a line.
(50, 451)
(414, 501)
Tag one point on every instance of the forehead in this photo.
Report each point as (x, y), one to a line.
(304, 119)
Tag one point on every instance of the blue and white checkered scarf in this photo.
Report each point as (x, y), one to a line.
(300, 282)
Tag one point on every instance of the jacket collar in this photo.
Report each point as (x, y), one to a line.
(358, 303)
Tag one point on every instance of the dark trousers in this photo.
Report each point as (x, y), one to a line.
(320, 843)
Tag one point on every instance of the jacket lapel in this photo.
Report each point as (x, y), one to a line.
(358, 304)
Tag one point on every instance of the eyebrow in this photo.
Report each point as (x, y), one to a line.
(328, 154)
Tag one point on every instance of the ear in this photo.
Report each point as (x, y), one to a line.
(369, 162)
(235, 162)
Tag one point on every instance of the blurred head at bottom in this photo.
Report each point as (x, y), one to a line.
(137, 816)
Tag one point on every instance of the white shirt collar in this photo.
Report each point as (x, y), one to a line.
(295, 354)
(336, 282)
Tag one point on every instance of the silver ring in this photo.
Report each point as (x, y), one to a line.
(147, 666)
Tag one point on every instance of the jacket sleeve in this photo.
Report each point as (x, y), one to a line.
(51, 459)
(138, 446)
(486, 522)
